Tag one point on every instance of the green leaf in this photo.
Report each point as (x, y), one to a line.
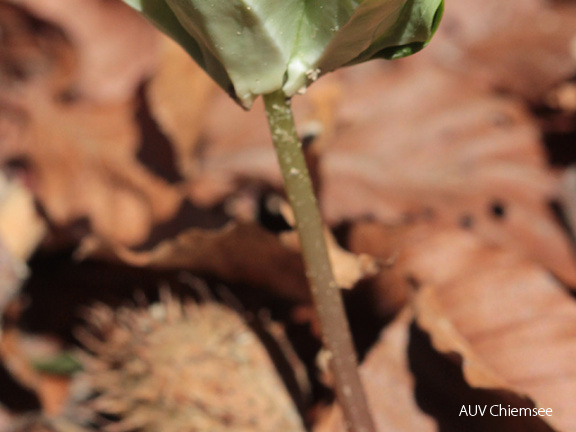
(64, 364)
(253, 47)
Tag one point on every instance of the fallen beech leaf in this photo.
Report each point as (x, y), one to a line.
(510, 323)
(435, 146)
(33, 54)
(427, 144)
(241, 152)
(116, 48)
(95, 146)
(524, 47)
(435, 266)
(237, 253)
(233, 154)
(123, 166)
(389, 385)
(178, 95)
(392, 288)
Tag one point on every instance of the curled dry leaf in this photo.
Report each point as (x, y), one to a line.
(509, 322)
(389, 385)
(348, 267)
(33, 54)
(240, 252)
(237, 253)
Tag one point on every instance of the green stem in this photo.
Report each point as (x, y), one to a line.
(325, 292)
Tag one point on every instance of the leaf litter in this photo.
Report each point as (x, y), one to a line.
(436, 166)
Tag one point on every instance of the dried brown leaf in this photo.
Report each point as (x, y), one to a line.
(524, 46)
(233, 155)
(432, 146)
(348, 267)
(116, 49)
(125, 158)
(242, 151)
(237, 253)
(391, 289)
(179, 95)
(95, 146)
(510, 323)
(426, 144)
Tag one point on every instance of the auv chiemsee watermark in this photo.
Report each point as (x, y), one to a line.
(500, 410)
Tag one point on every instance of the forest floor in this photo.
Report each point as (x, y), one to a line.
(164, 289)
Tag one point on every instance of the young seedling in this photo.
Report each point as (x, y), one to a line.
(276, 48)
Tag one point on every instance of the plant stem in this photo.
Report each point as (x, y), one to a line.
(325, 292)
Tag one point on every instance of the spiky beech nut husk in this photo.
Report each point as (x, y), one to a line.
(32, 427)
(40, 423)
(183, 367)
(253, 47)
